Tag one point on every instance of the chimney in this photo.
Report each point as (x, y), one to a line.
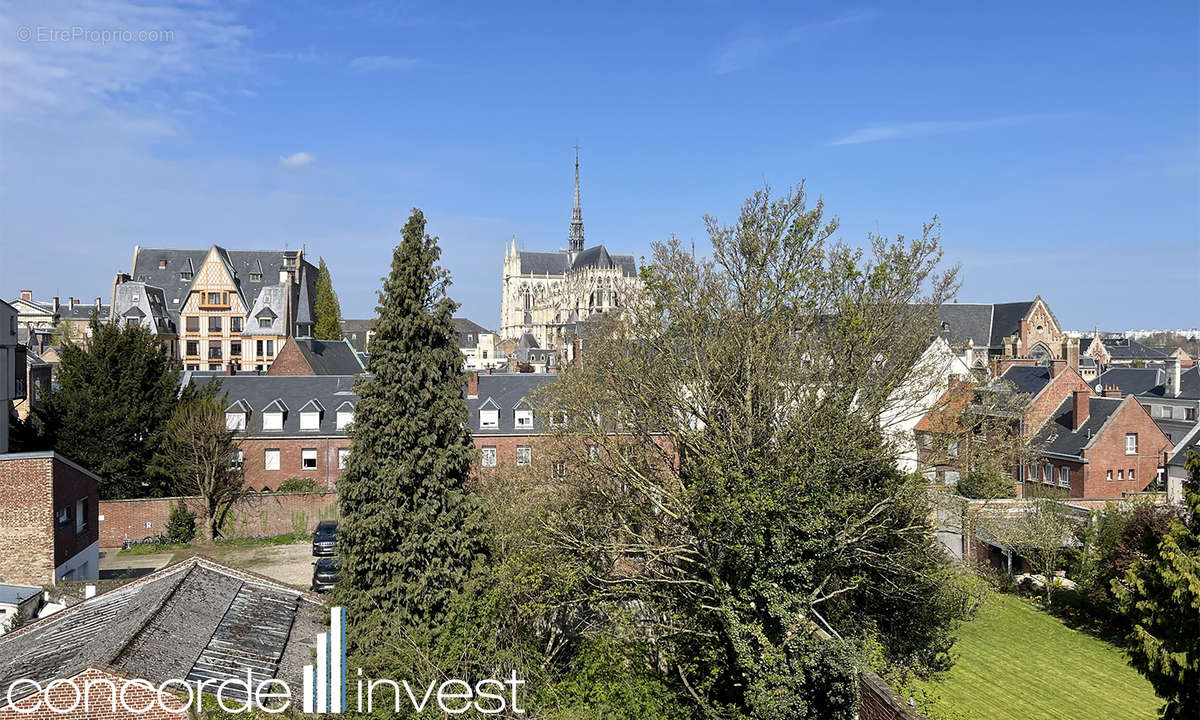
(1112, 391)
(89, 591)
(1056, 367)
(97, 304)
(1080, 407)
(72, 301)
(1175, 377)
(473, 384)
(54, 304)
(26, 294)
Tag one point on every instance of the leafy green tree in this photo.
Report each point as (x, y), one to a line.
(1160, 597)
(409, 531)
(112, 407)
(328, 311)
(986, 485)
(728, 491)
(65, 333)
(200, 450)
(181, 523)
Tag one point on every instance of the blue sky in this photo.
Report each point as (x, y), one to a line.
(1059, 143)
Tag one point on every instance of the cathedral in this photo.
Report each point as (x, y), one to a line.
(546, 293)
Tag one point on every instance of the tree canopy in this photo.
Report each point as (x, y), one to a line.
(328, 311)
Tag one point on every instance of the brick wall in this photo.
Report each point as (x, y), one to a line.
(290, 361)
(1056, 391)
(290, 456)
(26, 521)
(1107, 452)
(98, 703)
(258, 514)
(880, 703)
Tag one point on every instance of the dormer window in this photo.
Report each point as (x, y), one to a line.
(264, 322)
(235, 421)
(185, 275)
(523, 419)
(255, 277)
(345, 415)
(273, 415)
(310, 415)
(489, 419)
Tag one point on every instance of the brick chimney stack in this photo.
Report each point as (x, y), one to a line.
(1056, 367)
(1080, 407)
(1112, 391)
(473, 385)
(26, 294)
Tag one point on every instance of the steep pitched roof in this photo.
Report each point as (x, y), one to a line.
(292, 391)
(1130, 349)
(356, 330)
(467, 332)
(192, 620)
(1006, 320)
(329, 357)
(1028, 379)
(1131, 381)
(1058, 437)
(559, 262)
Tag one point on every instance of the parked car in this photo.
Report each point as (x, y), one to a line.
(325, 574)
(325, 538)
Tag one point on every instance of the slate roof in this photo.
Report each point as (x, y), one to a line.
(1057, 436)
(356, 332)
(1130, 349)
(192, 620)
(137, 299)
(558, 262)
(1191, 441)
(294, 391)
(1131, 381)
(265, 264)
(17, 594)
(505, 391)
(1027, 379)
(328, 357)
(985, 324)
(467, 332)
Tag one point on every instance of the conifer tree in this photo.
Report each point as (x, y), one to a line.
(329, 313)
(408, 537)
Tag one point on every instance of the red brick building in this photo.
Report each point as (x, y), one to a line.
(504, 426)
(289, 426)
(307, 356)
(48, 520)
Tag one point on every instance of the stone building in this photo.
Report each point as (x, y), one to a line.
(547, 293)
(983, 334)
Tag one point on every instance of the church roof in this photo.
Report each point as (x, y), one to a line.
(559, 262)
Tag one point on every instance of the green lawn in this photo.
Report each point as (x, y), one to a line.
(1017, 662)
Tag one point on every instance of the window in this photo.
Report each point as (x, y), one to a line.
(271, 459)
(489, 418)
(193, 348)
(193, 323)
(214, 367)
(488, 456)
(193, 367)
(214, 298)
(1120, 474)
(1064, 476)
(1048, 477)
(259, 347)
(344, 418)
(132, 322)
(310, 420)
(185, 275)
(1190, 414)
(953, 448)
(524, 418)
(524, 456)
(162, 263)
(273, 421)
(560, 469)
(235, 421)
(235, 348)
(214, 349)
(308, 459)
(1131, 443)
(1131, 474)
(343, 453)
(264, 322)
(62, 516)
(1108, 476)
(236, 460)
(214, 323)
(255, 277)
(81, 516)
(952, 478)
(270, 348)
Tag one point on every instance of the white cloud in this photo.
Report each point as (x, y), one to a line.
(371, 63)
(297, 160)
(875, 133)
(749, 48)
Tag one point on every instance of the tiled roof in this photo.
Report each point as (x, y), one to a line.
(504, 391)
(293, 391)
(193, 620)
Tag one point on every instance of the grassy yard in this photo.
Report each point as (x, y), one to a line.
(1016, 662)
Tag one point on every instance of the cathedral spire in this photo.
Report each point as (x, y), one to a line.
(575, 236)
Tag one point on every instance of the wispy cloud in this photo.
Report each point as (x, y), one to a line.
(297, 160)
(751, 47)
(371, 63)
(925, 128)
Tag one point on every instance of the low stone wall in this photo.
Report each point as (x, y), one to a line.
(258, 514)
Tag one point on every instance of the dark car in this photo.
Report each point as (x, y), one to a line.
(325, 538)
(325, 574)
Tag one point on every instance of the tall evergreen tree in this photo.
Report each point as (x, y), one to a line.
(1161, 599)
(329, 313)
(409, 534)
(112, 407)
